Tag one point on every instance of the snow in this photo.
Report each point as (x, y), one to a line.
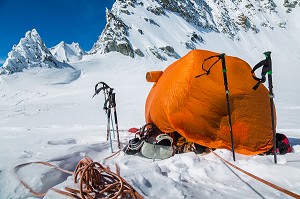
(44, 120)
(31, 52)
(67, 52)
(48, 114)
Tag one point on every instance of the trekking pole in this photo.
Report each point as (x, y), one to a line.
(107, 107)
(207, 72)
(116, 118)
(108, 134)
(222, 56)
(267, 69)
(112, 126)
(109, 103)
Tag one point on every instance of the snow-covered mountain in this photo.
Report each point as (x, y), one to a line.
(67, 52)
(29, 53)
(164, 29)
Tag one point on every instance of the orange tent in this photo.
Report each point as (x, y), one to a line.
(196, 107)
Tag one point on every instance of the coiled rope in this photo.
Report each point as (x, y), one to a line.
(292, 194)
(95, 181)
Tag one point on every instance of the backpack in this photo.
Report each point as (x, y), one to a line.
(283, 145)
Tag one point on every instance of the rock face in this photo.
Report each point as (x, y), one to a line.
(30, 52)
(67, 52)
(114, 37)
(140, 28)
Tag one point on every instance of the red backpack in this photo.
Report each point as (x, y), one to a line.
(283, 145)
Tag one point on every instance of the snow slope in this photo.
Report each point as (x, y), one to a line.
(48, 114)
(43, 120)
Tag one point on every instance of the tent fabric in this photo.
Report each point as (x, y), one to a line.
(196, 107)
(153, 76)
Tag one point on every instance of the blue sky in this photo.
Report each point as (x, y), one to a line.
(79, 21)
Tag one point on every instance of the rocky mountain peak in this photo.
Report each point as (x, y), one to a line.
(30, 52)
(131, 21)
(114, 36)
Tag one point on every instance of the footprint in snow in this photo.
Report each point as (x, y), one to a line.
(62, 142)
(26, 154)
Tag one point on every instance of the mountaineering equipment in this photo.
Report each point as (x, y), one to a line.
(283, 144)
(184, 146)
(151, 143)
(222, 57)
(94, 181)
(267, 69)
(109, 103)
(158, 147)
(196, 107)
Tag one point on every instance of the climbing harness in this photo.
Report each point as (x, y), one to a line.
(266, 65)
(292, 194)
(109, 104)
(95, 181)
(207, 72)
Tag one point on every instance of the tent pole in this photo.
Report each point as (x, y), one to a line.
(222, 56)
(271, 95)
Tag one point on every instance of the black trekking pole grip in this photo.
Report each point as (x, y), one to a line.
(224, 70)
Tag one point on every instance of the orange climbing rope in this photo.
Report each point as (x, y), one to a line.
(258, 178)
(95, 181)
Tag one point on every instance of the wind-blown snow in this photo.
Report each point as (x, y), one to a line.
(48, 114)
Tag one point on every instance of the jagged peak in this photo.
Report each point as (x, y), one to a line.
(32, 33)
(62, 43)
(67, 52)
(30, 52)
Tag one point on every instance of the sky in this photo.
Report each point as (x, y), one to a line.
(79, 21)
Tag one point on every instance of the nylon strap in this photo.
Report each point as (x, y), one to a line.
(265, 70)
